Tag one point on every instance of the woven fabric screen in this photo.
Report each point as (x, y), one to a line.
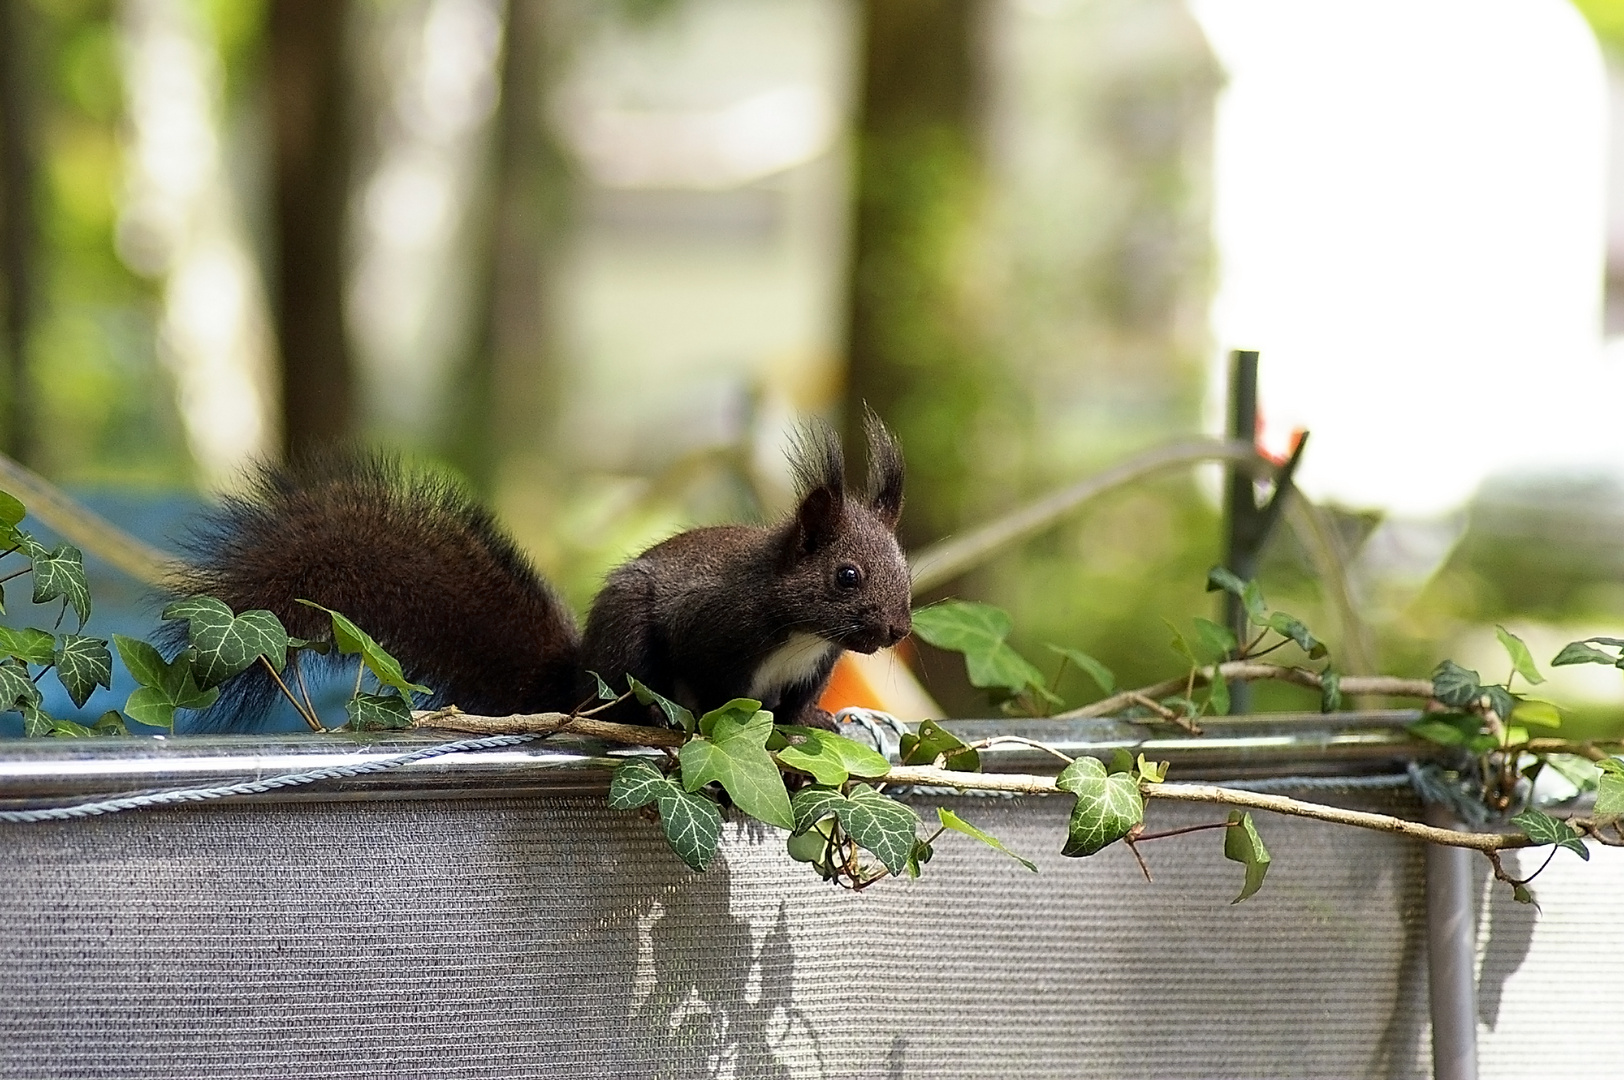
(506, 937)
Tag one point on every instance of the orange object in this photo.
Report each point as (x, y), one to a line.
(883, 681)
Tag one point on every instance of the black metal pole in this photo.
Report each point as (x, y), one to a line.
(17, 226)
(1240, 505)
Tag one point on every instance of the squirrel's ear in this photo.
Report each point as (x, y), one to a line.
(884, 470)
(819, 519)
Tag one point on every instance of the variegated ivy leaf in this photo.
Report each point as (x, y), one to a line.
(1108, 806)
(82, 664)
(16, 687)
(378, 712)
(1542, 828)
(351, 639)
(675, 715)
(224, 644)
(30, 645)
(978, 631)
(932, 742)
(732, 752)
(61, 573)
(36, 721)
(692, 823)
(877, 823)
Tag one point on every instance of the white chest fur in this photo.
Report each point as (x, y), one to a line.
(798, 660)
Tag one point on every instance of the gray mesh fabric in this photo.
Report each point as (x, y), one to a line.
(516, 938)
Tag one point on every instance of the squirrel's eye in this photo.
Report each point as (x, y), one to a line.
(848, 577)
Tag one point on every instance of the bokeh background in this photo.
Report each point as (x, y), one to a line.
(601, 256)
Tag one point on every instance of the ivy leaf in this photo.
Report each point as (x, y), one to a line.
(30, 547)
(950, 820)
(1155, 772)
(1293, 628)
(1103, 677)
(68, 729)
(1521, 658)
(734, 755)
(1214, 643)
(1453, 729)
(879, 824)
(110, 722)
(978, 631)
(1330, 690)
(1501, 701)
(36, 721)
(15, 686)
(828, 757)
(378, 712)
(1538, 713)
(1251, 596)
(82, 664)
(922, 851)
(61, 573)
(12, 511)
(1108, 805)
(224, 644)
(1542, 829)
(933, 742)
(1609, 794)
(1455, 685)
(1577, 652)
(692, 823)
(165, 685)
(675, 715)
(30, 645)
(604, 693)
(351, 639)
(1242, 844)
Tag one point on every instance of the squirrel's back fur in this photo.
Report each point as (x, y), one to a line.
(411, 559)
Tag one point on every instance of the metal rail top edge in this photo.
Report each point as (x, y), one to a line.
(1273, 745)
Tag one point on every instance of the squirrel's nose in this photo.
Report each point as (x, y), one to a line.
(896, 633)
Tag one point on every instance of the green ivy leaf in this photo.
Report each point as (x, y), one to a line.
(224, 644)
(68, 729)
(82, 664)
(30, 645)
(675, 715)
(1103, 677)
(1251, 596)
(604, 692)
(878, 824)
(978, 631)
(31, 548)
(110, 722)
(1108, 806)
(1501, 701)
(1330, 690)
(378, 712)
(922, 851)
(934, 742)
(1538, 713)
(1155, 772)
(1610, 794)
(61, 573)
(16, 687)
(1577, 652)
(692, 823)
(950, 820)
(1542, 829)
(1521, 659)
(1455, 685)
(1453, 729)
(352, 640)
(36, 721)
(1242, 844)
(1213, 643)
(12, 512)
(734, 755)
(1293, 628)
(1578, 771)
(166, 685)
(829, 758)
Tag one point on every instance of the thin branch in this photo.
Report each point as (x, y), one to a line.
(1133, 846)
(453, 719)
(998, 740)
(1136, 698)
(1248, 671)
(1187, 829)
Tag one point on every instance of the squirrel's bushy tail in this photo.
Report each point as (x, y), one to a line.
(411, 559)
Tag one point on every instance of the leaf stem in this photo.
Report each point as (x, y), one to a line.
(315, 725)
(1186, 829)
(16, 573)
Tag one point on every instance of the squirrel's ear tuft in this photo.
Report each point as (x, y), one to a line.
(884, 470)
(820, 477)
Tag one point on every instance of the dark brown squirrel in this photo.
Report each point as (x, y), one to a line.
(709, 615)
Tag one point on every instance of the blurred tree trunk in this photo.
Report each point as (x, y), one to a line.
(510, 388)
(313, 153)
(912, 346)
(18, 110)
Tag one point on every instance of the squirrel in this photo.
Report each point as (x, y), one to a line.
(709, 615)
